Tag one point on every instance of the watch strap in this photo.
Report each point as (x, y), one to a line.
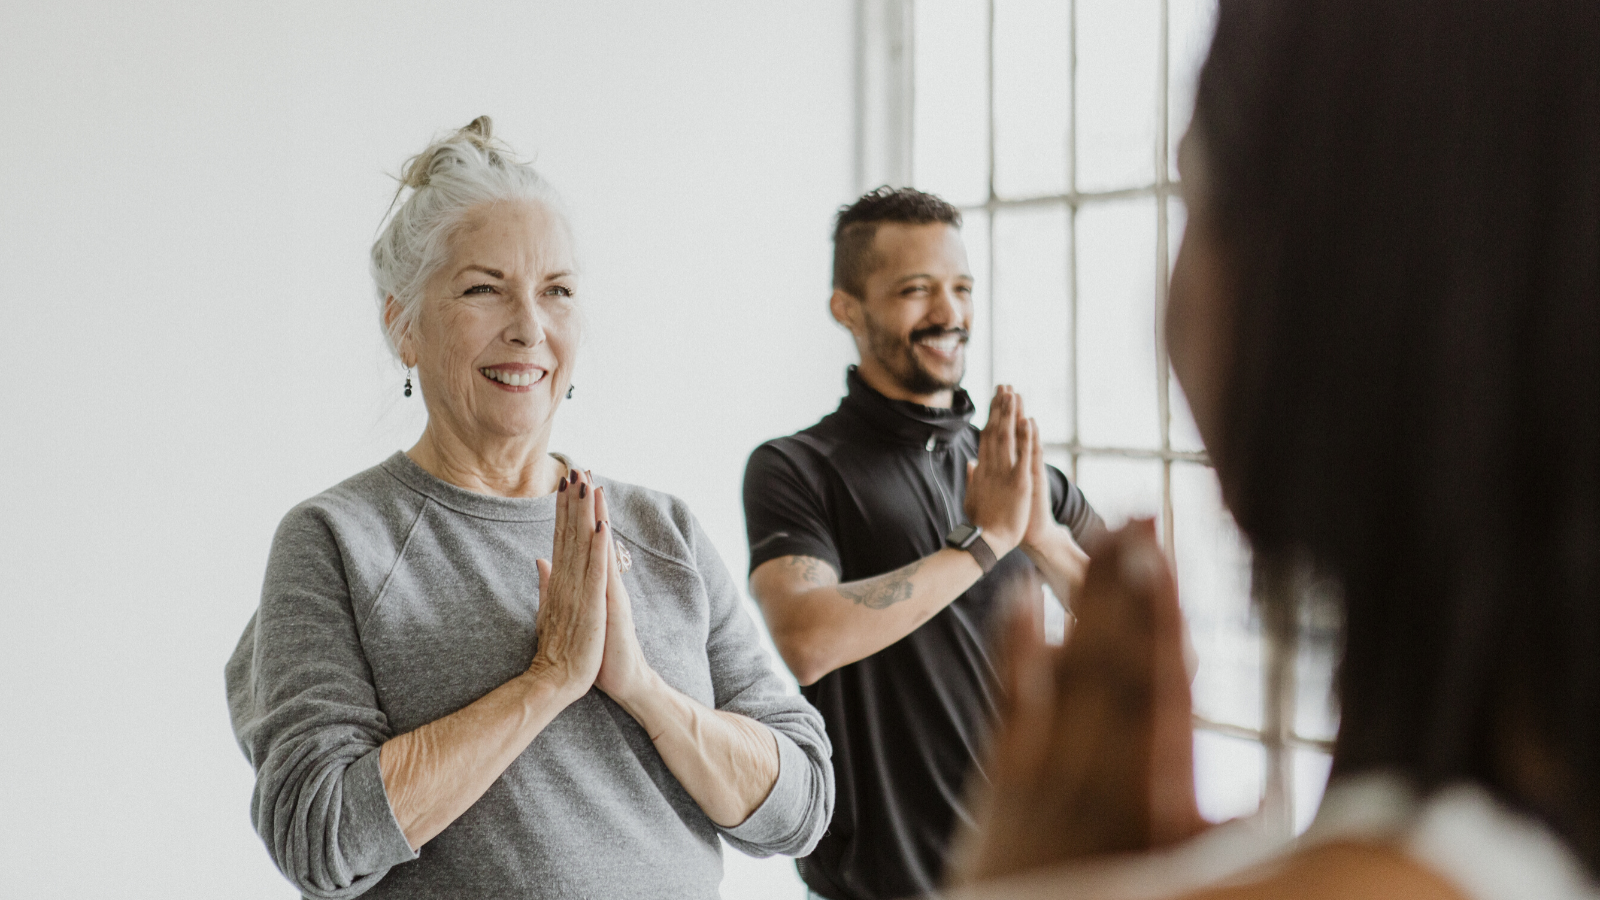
(979, 548)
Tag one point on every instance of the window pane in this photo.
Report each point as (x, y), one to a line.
(950, 118)
(1214, 586)
(1116, 324)
(1032, 313)
(1229, 775)
(1119, 47)
(1032, 96)
(979, 380)
(1190, 23)
(1316, 711)
(1120, 488)
(1181, 431)
(1310, 780)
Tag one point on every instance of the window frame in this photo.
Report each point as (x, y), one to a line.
(885, 154)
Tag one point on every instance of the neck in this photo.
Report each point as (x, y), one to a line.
(513, 468)
(881, 380)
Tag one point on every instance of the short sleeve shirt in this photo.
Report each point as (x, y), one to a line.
(872, 487)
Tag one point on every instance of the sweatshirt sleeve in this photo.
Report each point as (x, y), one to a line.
(797, 811)
(306, 714)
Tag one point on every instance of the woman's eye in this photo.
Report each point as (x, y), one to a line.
(559, 290)
(480, 289)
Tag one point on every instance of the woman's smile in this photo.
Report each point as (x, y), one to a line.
(514, 377)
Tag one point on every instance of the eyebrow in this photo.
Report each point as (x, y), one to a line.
(907, 278)
(496, 273)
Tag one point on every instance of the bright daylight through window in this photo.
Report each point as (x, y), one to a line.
(1054, 126)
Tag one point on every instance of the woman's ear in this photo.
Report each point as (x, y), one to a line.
(402, 341)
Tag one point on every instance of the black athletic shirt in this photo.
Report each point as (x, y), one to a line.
(870, 488)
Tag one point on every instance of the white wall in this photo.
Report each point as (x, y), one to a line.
(188, 345)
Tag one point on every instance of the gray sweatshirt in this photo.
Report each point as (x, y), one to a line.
(394, 599)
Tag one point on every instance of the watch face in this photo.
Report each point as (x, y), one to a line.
(961, 536)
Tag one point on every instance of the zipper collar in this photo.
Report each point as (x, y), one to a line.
(903, 421)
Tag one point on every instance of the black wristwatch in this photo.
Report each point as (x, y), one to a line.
(970, 539)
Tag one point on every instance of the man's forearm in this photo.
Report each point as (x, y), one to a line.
(833, 625)
(1061, 561)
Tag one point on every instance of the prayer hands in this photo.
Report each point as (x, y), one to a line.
(1000, 483)
(1094, 752)
(571, 621)
(585, 621)
(623, 670)
(1047, 542)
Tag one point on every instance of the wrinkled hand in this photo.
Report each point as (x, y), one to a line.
(1000, 481)
(1094, 753)
(571, 621)
(624, 672)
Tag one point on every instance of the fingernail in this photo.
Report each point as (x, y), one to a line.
(583, 491)
(1140, 565)
(563, 485)
(573, 474)
(600, 526)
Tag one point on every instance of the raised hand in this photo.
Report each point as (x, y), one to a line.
(572, 589)
(1047, 542)
(624, 672)
(1000, 482)
(1041, 520)
(1094, 753)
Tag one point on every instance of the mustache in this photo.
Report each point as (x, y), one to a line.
(936, 332)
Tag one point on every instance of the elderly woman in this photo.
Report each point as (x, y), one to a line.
(1386, 316)
(479, 670)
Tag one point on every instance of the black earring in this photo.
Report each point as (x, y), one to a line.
(569, 392)
(408, 381)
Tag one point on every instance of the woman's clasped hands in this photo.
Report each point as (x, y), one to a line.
(1094, 750)
(585, 628)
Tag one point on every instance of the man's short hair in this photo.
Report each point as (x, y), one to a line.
(858, 223)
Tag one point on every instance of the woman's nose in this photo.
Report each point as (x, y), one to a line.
(526, 328)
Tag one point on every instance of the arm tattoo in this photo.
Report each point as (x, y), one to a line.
(809, 569)
(885, 590)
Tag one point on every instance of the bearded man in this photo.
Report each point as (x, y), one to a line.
(881, 548)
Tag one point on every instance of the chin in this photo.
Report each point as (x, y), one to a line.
(524, 424)
(928, 381)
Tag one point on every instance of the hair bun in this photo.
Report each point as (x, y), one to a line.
(478, 134)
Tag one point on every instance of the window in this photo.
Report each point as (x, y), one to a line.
(1053, 124)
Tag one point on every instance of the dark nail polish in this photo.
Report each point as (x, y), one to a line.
(574, 475)
(583, 491)
(600, 526)
(563, 485)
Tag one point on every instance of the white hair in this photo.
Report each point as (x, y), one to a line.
(453, 175)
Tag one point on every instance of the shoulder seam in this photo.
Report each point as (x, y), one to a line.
(383, 592)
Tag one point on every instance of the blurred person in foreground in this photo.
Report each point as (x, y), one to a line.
(1386, 317)
(478, 670)
(887, 539)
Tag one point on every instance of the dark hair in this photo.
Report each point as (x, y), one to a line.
(857, 224)
(1408, 197)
